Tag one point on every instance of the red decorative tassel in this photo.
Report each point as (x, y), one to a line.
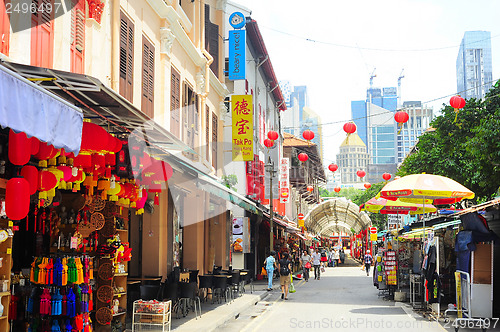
(157, 199)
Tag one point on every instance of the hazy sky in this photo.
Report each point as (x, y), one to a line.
(354, 37)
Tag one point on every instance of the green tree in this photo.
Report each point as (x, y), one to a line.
(466, 150)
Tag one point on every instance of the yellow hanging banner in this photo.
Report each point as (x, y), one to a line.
(242, 115)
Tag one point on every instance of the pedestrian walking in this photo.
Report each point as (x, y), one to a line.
(368, 262)
(336, 257)
(285, 266)
(305, 262)
(316, 259)
(342, 256)
(270, 264)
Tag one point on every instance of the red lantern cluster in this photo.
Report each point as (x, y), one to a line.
(349, 127)
(386, 176)
(361, 173)
(308, 135)
(303, 156)
(333, 167)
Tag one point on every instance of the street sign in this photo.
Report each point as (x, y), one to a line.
(373, 230)
(301, 216)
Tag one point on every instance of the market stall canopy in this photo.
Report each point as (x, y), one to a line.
(416, 187)
(25, 107)
(337, 214)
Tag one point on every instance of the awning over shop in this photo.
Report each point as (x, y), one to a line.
(289, 228)
(26, 107)
(302, 237)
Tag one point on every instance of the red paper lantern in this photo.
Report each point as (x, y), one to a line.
(35, 145)
(310, 188)
(401, 117)
(67, 171)
(30, 174)
(268, 143)
(457, 102)
(367, 185)
(17, 198)
(46, 180)
(336, 189)
(303, 156)
(361, 173)
(386, 176)
(349, 127)
(45, 151)
(19, 148)
(82, 160)
(333, 167)
(308, 134)
(94, 138)
(272, 135)
(115, 144)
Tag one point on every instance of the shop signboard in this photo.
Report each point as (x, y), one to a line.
(237, 47)
(242, 120)
(284, 180)
(241, 235)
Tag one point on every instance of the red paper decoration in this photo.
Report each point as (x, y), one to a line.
(45, 151)
(30, 174)
(19, 148)
(46, 181)
(17, 198)
(333, 167)
(308, 134)
(268, 143)
(361, 173)
(35, 145)
(336, 189)
(272, 135)
(457, 102)
(401, 117)
(310, 188)
(349, 127)
(386, 176)
(367, 185)
(303, 156)
(95, 138)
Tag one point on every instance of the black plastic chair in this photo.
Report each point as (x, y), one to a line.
(235, 282)
(188, 298)
(193, 275)
(217, 270)
(152, 282)
(150, 292)
(206, 283)
(220, 288)
(171, 292)
(246, 279)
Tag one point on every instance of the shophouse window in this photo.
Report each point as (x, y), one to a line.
(77, 49)
(148, 77)
(214, 140)
(126, 57)
(175, 102)
(190, 118)
(42, 34)
(207, 132)
(212, 40)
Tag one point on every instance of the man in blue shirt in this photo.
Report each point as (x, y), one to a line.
(270, 264)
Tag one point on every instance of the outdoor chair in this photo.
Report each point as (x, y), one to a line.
(246, 279)
(235, 282)
(188, 298)
(206, 283)
(150, 292)
(171, 292)
(193, 275)
(220, 288)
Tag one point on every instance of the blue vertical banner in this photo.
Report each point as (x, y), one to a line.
(237, 54)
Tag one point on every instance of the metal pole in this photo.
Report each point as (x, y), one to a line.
(271, 212)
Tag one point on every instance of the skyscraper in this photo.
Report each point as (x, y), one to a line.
(474, 65)
(352, 157)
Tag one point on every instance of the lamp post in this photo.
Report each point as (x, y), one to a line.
(270, 168)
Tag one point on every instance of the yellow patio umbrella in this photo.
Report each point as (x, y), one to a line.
(421, 187)
(386, 206)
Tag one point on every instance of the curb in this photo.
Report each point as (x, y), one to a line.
(210, 321)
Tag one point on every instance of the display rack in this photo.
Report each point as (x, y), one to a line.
(151, 316)
(417, 291)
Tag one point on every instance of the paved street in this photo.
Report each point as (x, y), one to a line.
(344, 299)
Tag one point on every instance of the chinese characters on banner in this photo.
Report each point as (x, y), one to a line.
(242, 114)
(284, 179)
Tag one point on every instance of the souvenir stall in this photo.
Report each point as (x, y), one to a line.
(64, 234)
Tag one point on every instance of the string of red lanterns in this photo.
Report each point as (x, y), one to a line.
(308, 135)
(457, 103)
(401, 117)
(386, 176)
(303, 156)
(361, 173)
(333, 167)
